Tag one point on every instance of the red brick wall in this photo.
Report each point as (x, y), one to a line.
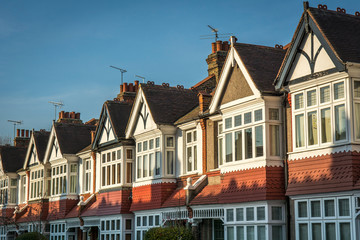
(59, 209)
(327, 173)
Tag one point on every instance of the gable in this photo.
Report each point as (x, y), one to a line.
(237, 87)
(33, 157)
(144, 120)
(311, 58)
(107, 131)
(55, 150)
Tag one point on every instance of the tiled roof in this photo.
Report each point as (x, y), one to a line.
(59, 209)
(177, 199)
(264, 183)
(73, 137)
(342, 32)
(12, 158)
(192, 115)
(34, 212)
(109, 203)
(41, 139)
(262, 63)
(168, 104)
(119, 115)
(206, 84)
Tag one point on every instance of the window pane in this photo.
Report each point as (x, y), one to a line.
(220, 154)
(312, 128)
(248, 143)
(325, 94)
(339, 90)
(139, 168)
(250, 233)
(195, 158)
(302, 209)
(239, 214)
(151, 144)
(325, 125)
(258, 115)
(299, 101)
(238, 145)
(329, 208)
(228, 123)
(259, 145)
(250, 214)
(260, 213)
(315, 209)
(170, 142)
(170, 162)
(340, 123)
(274, 114)
(118, 173)
(261, 233)
(247, 118)
(240, 233)
(157, 220)
(311, 98)
(237, 120)
(118, 154)
(145, 146)
(357, 120)
(229, 215)
(151, 220)
(151, 164)
(189, 158)
(157, 163)
(145, 165)
(276, 213)
(188, 137)
(113, 174)
(345, 231)
(228, 147)
(277, 233)
(299, 130)
(274, 140)
(303, 231)
(139, 147)
(129, 172)
(316, 231)
(344, 207)
(330, 232)
(157, 142)
(230, 233)
(356, 89)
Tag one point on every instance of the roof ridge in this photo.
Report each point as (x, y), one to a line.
(336, 12)
(262, 46)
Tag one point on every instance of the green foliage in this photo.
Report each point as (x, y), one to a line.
(169, 233)
(31, 236)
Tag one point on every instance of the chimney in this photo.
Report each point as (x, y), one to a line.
(21, 140)
(217, 58)
(204, 101)
(69, 117)
(127, 92)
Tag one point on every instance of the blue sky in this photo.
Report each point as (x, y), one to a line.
(61, 50)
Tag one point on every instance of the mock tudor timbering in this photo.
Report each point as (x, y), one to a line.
(265, 147)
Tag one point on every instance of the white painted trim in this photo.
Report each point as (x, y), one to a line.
(154, 181)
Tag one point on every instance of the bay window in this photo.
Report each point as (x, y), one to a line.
(148, 158)
(36, 183)
(243, 141)
(23, 189)
(321, 119)
(59, 181)
(73, 177)
(13, 190)
(110, 168)
(330, 217)
(191, 150)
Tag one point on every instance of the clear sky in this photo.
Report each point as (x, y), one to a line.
(61, 50)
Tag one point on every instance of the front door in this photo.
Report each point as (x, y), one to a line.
(218, 229)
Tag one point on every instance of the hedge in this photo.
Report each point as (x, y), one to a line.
(169, 233)
(31, 236)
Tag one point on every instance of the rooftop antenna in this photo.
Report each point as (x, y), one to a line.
(122, 72)
(15, 122)
(215, 34)
(143, 78)
(56, 105)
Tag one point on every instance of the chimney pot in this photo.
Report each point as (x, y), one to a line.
(72, 115)
(213, 47)
(77, 115)
(136, 85)
(22, 133)
(125, 87)
(218, 45)
(131, 87)
(17, 132)
(27, 133)
(225, 46)
(121, 88)
(66, 114)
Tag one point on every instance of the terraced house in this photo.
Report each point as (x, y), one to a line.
(265, 147)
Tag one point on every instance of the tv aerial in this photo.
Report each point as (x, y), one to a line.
(15, 122)
(215, 34)
(143, 78)
(122, 72)
(56, 105)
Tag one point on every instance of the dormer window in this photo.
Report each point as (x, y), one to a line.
(320, 119)
(191, 150)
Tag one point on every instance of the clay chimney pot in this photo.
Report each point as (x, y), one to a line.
(213, 47)
(27, 133)
(22, 132)
(17, 132)
(218, 45)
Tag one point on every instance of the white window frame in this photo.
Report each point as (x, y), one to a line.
(87, 181)
(110, 228)
(111, 179)
(170, 149)
(318, 107)
(356, 100)
(4, 194)
(141, 154)
(193, 146)
(37, 183)
(58, 231)
(59, 174)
